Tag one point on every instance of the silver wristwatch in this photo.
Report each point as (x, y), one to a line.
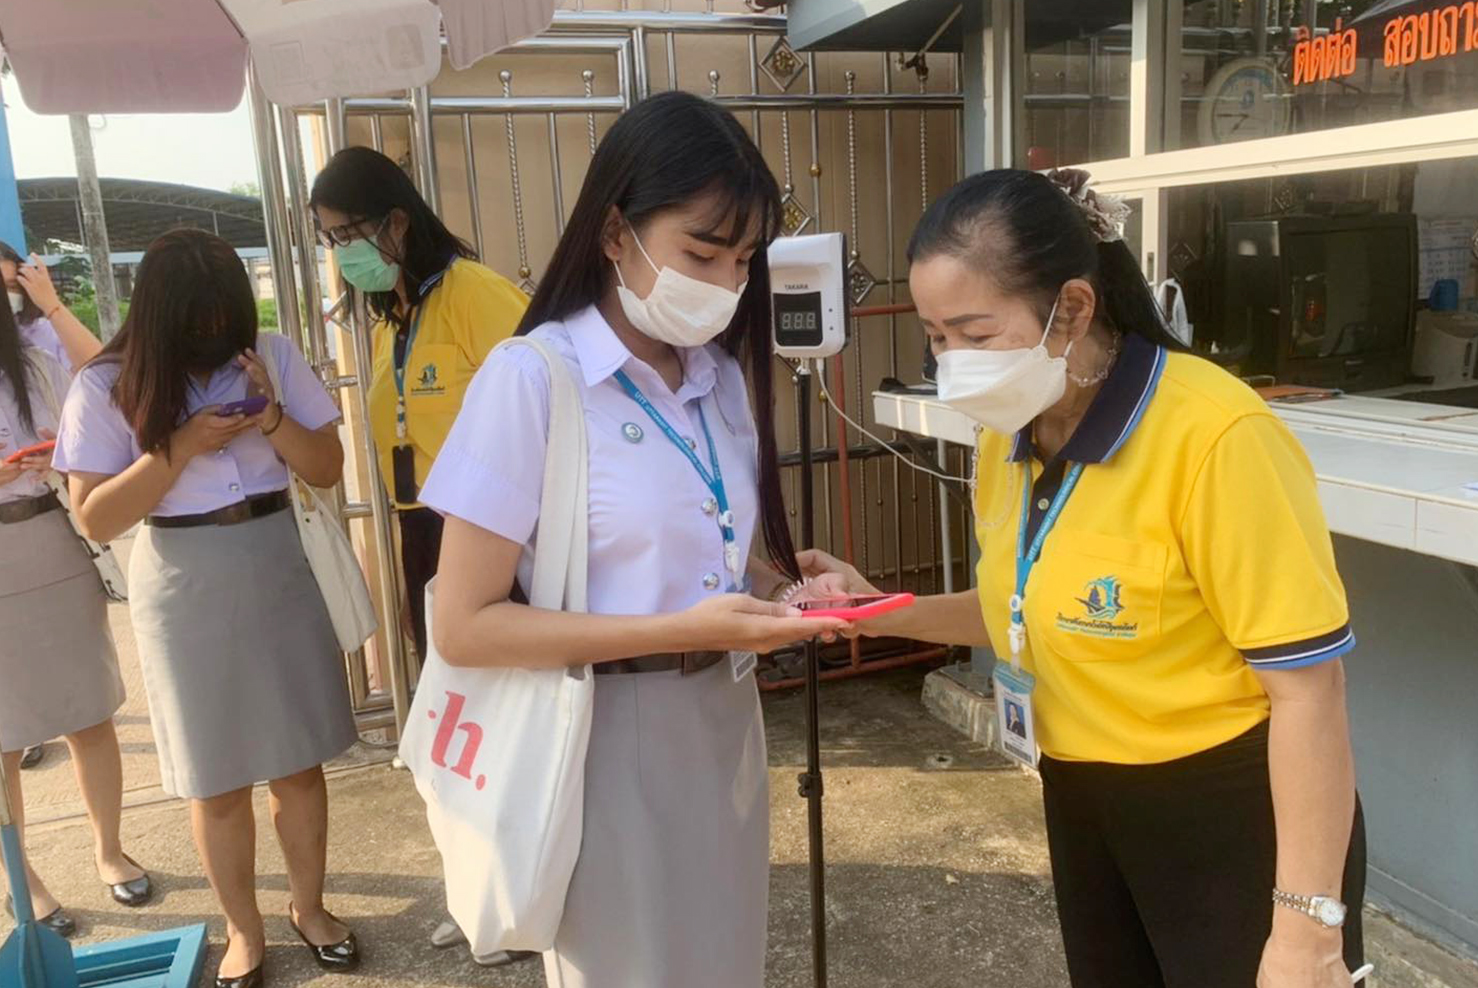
(1326, 911)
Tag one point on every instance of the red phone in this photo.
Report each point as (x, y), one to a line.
(35, 450)
(247, 406)
(859, 607)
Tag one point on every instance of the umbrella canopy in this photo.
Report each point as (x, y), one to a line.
(178, 56)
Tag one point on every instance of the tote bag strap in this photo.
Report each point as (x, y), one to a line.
(561, 549)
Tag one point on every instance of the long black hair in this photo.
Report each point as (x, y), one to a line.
(1028, 234)
(14, 368)
(363, 184)
(30, 311)
(667, 151)
(192, 297)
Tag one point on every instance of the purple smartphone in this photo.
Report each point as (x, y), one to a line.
(248, 406)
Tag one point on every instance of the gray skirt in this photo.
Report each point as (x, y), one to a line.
(243, 673)
(58, 669)
(672, 883)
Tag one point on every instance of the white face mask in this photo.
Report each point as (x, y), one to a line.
(17, 302)
(679, 310)
(1003, 390)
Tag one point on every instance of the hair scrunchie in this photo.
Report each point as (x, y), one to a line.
(1105, 214)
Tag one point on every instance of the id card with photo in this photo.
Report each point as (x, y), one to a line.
(1014, 719)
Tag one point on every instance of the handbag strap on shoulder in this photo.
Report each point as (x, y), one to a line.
(561, 549)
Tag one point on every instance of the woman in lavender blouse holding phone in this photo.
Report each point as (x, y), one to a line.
(240, 661)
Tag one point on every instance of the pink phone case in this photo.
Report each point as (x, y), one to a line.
(876, 604)
(36, 450)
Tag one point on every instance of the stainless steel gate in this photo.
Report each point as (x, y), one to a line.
(860, 142)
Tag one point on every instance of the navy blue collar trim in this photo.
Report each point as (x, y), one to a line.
(435, 279)
(1116, 410)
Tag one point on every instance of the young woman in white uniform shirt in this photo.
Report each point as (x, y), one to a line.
(664, 253)
(58, 669)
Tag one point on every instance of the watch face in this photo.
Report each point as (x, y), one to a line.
(1330, 912)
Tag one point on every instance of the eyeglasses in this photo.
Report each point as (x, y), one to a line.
(343, 236)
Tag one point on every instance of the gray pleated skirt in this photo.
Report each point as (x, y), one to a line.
(58, 669)
(243, 673)
(672, 884)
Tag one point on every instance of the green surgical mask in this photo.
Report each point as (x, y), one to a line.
(364, 267)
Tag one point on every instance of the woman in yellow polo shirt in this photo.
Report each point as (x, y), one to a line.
(439, 313)
(1159, 585)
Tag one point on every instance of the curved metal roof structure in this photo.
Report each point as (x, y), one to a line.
(139, 211)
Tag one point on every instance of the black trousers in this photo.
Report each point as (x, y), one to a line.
(1164, 873)
(420, 549)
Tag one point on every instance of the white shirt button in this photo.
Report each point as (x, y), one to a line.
(710, 581)
(692, 443)
(1043, 504)
(235, 487)
(710, 506)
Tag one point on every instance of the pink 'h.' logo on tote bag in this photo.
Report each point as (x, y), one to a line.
(450, 725)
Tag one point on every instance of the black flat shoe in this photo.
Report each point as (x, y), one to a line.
(251, 979)
(57, 921)
(136, 891)
(32, 756)
(340, 957)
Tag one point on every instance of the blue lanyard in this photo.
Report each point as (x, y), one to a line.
(1027, 556)
(714, 480)
(399, 365)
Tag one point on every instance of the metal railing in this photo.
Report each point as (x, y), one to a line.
(899, 530)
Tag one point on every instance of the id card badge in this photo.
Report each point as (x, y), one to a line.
(742, 664)
(403, 465)
(1017, 726)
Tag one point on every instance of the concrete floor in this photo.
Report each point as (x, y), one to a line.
(937, 868)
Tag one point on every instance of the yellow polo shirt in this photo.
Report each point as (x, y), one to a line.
(465, 312)
(1192, 551)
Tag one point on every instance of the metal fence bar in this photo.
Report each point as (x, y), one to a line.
(836, 103)
(556, 176)
(473, 199)
(379, 501)
(423, 140)
(274, 207)
(292, 151)
(625, 37)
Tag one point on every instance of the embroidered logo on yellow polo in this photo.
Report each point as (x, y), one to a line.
(1101, 604)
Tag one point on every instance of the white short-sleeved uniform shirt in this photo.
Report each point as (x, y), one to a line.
(13, 432)
(94, 436)
(655, 544)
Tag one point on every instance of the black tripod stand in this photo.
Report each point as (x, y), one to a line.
(810, 779)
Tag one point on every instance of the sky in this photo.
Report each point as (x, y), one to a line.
(211, 150)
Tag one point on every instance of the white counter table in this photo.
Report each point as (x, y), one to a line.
(1399, 484)
(1398, 473)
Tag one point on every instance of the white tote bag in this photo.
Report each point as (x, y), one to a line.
(330, 554)
(114, 583)
(499, 753)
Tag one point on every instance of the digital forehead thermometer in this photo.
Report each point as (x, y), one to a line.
(808, 277)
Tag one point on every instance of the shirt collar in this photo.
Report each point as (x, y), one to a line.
(601, 354)
(1116, 410)
(435, 279)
